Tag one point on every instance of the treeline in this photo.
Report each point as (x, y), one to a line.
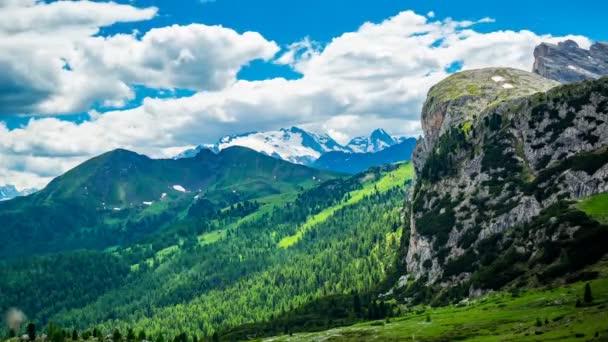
(246, 278)
(171, 284)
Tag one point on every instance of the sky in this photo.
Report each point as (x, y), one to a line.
(78, 78)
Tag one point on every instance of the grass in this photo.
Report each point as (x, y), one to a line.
(211, 237)
(498, 316)
(596, 207)
(389, 180)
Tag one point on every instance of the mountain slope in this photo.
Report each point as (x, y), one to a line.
(566, 62)
(211, 271)
(526, 315)
(294, 144)
(122, 195)
(497, 181)
(357, 162)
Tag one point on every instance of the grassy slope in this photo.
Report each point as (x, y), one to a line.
(496, 317)
(596, 207)
(390, 180)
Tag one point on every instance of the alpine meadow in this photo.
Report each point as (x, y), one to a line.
(223, 171)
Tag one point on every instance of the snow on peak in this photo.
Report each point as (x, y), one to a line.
(8, 192)
(296, 145)
(292, 144)
(377, 141)
(179, 188)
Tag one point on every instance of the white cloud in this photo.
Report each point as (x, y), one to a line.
(54, 63)
(376, 76)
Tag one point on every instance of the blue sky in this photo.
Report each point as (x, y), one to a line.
(158, 76)
(321, 20)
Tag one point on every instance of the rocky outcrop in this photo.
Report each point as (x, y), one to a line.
(566, 62)
(501, 147)
(459, 99)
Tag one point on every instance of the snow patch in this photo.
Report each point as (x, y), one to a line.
(116, 209)
(163, 195)
(508, 86)
(147, 203)
(498, 79)
(179, 188)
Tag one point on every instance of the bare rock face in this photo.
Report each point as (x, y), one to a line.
(566, 62)
(502, 147)
(460, 99)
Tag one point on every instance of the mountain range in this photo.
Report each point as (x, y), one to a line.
(353, 163)
(297, 145)
(497, 229)
(8, 192)
(121, 195)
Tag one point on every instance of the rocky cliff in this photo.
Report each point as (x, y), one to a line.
(566, 62)
(505, 153)
(458, 100)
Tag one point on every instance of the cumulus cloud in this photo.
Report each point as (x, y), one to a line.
(376, 76)
(54, 62)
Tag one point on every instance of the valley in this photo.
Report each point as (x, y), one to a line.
(491, 227)
(209, 266)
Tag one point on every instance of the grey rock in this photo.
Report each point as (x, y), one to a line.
(541, 126)
(566, 62)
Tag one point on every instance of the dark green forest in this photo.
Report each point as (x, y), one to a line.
(217, 267)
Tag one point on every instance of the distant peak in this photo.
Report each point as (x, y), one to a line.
(568, 44)
(567, 62)
(123, 152)
(379, 132)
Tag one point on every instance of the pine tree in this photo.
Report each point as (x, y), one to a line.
(130, 335)
(74, 335)
(142, 335)
(588, 297)
(357, 304)
(31, 331)
(116, 336)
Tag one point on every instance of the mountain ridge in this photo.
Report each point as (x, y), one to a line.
(566, 62)
(353, 163)
(297, 145)
(121, 195)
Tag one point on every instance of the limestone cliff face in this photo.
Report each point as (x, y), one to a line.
(566, 62)
(459, 99)
(501, 147)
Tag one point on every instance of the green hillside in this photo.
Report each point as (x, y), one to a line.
(549, 314)
(216, 269)
(120, 197)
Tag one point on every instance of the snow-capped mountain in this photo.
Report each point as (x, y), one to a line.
(8, 192)
(292, 144)
(190, 153)
(377, 141)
